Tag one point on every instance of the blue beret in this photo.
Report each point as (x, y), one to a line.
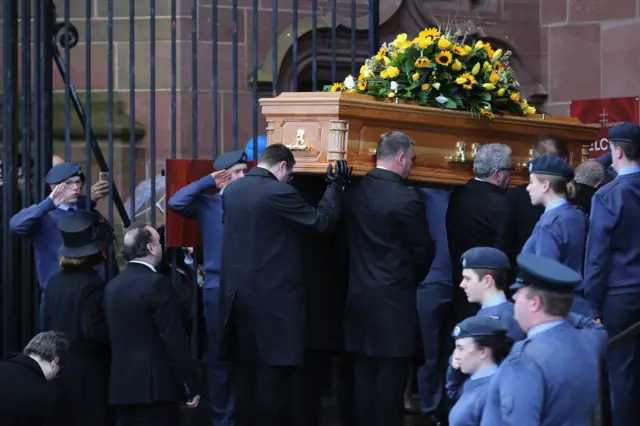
(229, 159)
(61, 172)
(485, 258)
(479, 326)
(551, 165)
(545, 274)
(262, 144)
(626, 133)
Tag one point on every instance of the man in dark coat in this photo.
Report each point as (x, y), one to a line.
(262, 281)
(475, 213)
(151, 367)
(390, 252)
(520, 215)
(27, 397)
(589, 176)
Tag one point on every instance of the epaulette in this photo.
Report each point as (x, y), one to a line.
(518, 348)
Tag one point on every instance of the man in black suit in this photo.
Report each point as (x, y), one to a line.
(262, 281)
(390, 252)
(151, 367)
(475, 213)
(520, 215)
(27, 396)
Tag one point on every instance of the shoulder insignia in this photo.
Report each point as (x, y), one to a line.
(495, 317)
(518, 348)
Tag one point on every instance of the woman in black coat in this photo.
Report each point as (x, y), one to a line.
(73, 305)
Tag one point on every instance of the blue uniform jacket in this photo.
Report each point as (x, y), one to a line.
(551, 378)
(612, 260)
(193, 202)
(467, 411)
(436, 202)
(39, 223)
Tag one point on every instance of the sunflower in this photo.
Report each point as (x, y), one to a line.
(362, 85)
(430, 32)
(459, 50)
(444, 58)
(337, 87)
(498, 67)
(487, 113)
(381, 54)
(489, 49)
(494, 78)
(467, 81)
(422, 42)
(422, 62)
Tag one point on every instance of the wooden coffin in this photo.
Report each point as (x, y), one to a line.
(321, 127)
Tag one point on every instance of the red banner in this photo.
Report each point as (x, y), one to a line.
(605, 113)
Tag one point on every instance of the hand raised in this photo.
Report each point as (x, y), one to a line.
(221, 177)
(58, 194)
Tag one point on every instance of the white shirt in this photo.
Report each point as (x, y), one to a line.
(148, 265)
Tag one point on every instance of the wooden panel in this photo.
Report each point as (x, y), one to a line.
(348, 126)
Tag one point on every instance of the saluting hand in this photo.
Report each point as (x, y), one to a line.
(58, 194)
(221, 177)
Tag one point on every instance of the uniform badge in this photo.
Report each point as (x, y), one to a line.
(495, 317)
(530, 166)
(456, 331)
(464, 263)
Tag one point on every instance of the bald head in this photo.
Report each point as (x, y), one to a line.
(142, 243)
(591, 173)
(56, 160)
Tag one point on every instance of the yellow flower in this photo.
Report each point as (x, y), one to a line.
(384, 74)
(461, 80)
(436, 86)
(394, 55)
(457, 65)
(487, 47)
(486, 67)
(425, 86)
(501, 91)
(402, 43)
(381, 54)
(415, 77)
(467, 49)
(393, 72)
(365, 71)
(515, 97)
(337, 87)
(429, 32)
(488, 86)
(460, 50)
(386, 60)
(531, 110)
(496, 54)
(466, 80)
(443, 43)
(362, 85)
(498, 67)
(476, 69)
(444, 58)
(422, 62)
(391, 95)
(422, 42)
(479, 45)
(494, 78)
(487, 113)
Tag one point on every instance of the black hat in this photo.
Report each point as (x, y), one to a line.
(478, 326)
(229, 159)
(545, 274)
(625, 133)
(83, 234)
(61, 172)
(485, 258)
(551, 165)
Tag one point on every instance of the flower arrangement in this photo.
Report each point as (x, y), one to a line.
(438, 69)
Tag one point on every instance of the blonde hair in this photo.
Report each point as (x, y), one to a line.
(559, 184)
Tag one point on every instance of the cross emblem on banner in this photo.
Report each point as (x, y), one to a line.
(603, 118)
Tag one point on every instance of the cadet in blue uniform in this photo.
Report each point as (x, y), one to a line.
(481, 345)
(434, 305)
(484, 279)
(612, 268)
(561, 232)
(551, 378)
(194, 202)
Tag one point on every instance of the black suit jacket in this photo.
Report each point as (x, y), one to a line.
(150, 357)
(262, 279)
(26, 397)
(390, 252)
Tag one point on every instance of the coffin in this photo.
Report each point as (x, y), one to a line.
(322, 127)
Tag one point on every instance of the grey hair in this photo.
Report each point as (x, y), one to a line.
(48, 346)
(392, 143)
(590, 173)
(491, 157)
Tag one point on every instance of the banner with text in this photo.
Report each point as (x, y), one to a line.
(605, 113)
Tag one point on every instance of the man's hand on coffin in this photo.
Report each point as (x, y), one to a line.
(338, 178)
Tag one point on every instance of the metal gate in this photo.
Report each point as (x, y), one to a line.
(118, 86)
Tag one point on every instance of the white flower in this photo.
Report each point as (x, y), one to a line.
(441, 99)
(394, 86)
(349, 82)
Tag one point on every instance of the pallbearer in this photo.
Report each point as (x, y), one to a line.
(612, 268)
(561, 232)
(481, 345)
(550, 378)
